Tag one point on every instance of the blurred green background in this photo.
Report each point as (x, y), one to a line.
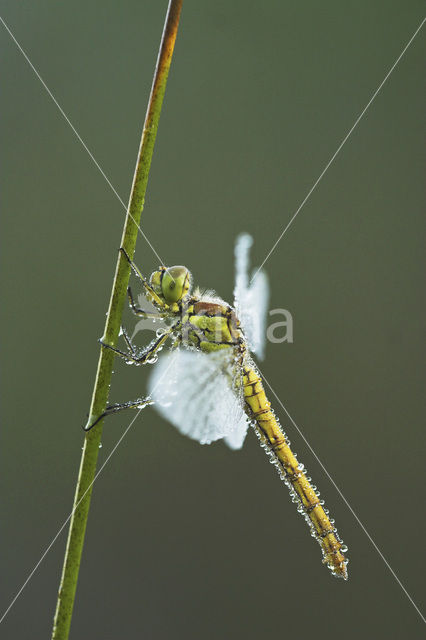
(187, 541)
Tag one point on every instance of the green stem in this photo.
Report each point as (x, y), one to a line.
(86, 476)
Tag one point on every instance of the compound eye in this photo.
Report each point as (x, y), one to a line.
(175, 284)
(155, 281)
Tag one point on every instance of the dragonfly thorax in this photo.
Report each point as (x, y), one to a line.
(210, 326)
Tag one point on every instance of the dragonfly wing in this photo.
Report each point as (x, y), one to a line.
(251, 297)
(236, 438)
(192, 391)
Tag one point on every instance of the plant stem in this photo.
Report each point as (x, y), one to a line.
(86, 476)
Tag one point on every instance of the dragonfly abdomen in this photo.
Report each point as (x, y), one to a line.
(276, 445)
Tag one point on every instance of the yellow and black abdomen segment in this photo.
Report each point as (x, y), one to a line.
(210, 326)
(276, 444)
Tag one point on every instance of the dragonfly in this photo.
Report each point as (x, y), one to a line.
(208, 385)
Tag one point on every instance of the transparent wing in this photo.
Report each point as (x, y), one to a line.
(251, 298)
(193, 391)
(236, 438)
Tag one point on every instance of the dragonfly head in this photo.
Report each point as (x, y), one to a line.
(171, 284)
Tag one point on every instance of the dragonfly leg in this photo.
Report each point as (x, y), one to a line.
(156, 299)
(133, 356)
(132, 347)
(140, 403)
(146, 355)
(138, 311)
(128, 341)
